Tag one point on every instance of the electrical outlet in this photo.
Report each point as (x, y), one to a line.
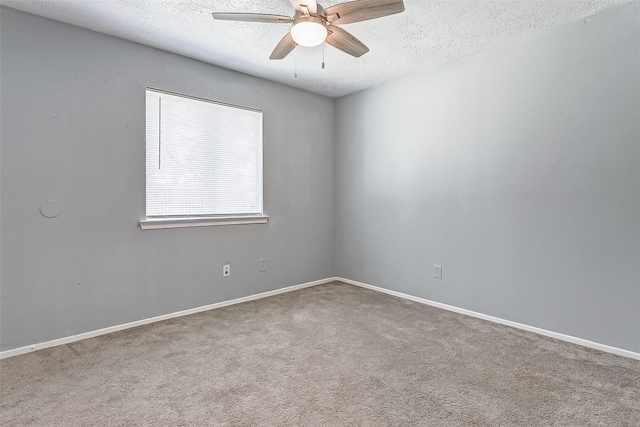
(226, 270)
(263, 264)
(437, 273)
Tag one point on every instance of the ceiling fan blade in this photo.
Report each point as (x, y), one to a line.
(362, 10)
(312, 6)
(343, 40)
(252, 17)
(283, 48)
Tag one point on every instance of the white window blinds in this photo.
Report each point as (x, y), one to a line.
(203, 158)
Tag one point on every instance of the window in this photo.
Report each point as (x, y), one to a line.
(204, 162)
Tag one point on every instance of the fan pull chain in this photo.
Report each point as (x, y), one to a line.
(295, 70)
(323, 55)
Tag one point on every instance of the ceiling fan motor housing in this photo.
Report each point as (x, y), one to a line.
(304, 11)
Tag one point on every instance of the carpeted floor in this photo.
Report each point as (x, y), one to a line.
(330, 355)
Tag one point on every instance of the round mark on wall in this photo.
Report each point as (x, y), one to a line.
(50, 209)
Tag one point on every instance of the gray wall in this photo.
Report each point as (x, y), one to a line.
(517, 169)
(73, 130)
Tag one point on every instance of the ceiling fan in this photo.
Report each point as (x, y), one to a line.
(313, 25)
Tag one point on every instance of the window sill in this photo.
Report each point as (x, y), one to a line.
(158, 223)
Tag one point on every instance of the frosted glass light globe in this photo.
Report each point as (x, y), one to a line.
(309, 32)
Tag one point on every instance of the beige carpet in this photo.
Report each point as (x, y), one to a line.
(331, 355)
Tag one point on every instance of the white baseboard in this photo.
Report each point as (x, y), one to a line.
(556, 335)
(110, 329)
(91, 334)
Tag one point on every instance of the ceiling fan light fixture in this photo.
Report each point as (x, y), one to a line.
(309, 31)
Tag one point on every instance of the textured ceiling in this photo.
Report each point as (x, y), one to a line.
(427, 34)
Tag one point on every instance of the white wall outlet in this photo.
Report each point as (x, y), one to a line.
(437, 271)
(263, 264)
(226, 270)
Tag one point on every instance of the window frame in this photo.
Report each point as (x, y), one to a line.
(182, 221)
